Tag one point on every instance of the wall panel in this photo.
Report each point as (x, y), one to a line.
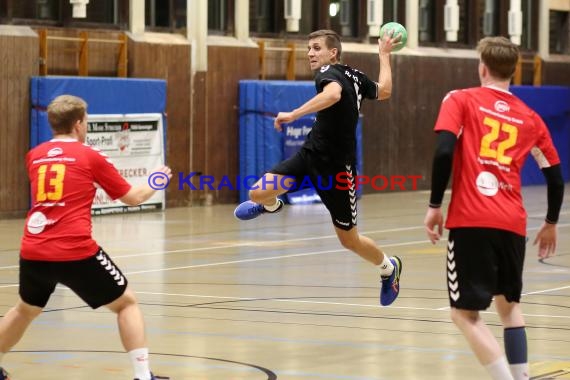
(227, 66)
(168, 57)
(19, 57)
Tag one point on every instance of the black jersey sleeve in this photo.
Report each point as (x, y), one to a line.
(441, 167)
(555, 192)
(369, 88)
(326, 75)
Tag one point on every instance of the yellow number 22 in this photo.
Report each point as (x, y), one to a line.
(498, 153)
(55, 186)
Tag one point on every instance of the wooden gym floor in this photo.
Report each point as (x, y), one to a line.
(278, 298)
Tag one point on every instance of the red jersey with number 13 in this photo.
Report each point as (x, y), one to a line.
(495, 131)
(63, 175)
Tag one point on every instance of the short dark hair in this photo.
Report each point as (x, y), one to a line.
(332, 40)
(500, 55)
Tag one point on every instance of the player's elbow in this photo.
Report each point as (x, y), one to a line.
(133, 197)
(385, 94)
(553, 176)
(444, 152)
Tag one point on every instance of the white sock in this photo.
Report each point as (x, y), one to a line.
(386, 266)
(499, 369)
(139, 360)
(272, 207)
(520, 371)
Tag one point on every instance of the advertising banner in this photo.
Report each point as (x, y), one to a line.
(134, 144)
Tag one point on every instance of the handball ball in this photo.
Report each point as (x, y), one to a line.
(398, 30)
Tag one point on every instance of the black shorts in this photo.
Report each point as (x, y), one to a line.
(96, 280)
(481, 263)
(331, 181)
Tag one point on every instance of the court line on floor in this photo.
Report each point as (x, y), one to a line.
(280, 257)
(530, 293)
(246, 244)
(311, 238)
(374, 306)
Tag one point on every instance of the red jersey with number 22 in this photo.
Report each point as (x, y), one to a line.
(495, 131)
(63, 175)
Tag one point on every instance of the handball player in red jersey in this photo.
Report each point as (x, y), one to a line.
(485, 134)
(57, 246)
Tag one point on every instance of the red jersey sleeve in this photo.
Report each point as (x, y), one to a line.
(106, 175)
(450, 116)
(544, 151)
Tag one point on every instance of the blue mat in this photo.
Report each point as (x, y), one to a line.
(103, 96)
(260, 145)
(552, 103)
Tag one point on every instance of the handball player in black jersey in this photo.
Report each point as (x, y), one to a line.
(329, 152)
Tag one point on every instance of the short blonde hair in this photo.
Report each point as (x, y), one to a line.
(500, 56)
(64, 111)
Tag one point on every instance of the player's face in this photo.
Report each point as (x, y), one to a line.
(319, 55)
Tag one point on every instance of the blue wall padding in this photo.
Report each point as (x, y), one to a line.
(260, 146)
(552, 103)
(103, 96)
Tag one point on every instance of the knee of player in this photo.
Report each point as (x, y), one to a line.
(27, 311)
(349, 243)
(463, 317)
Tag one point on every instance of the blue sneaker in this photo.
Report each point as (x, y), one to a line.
(251, 210)
(391, 284)
(3, 374)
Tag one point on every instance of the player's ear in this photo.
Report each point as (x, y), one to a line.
(333, 52)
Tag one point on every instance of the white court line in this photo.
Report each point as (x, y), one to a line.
(266, 258)
(529, 293)
(330, 303)
(246, 244)
(545, 291)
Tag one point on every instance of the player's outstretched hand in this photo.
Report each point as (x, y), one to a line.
(546, 240)
(163, 169)
(283, 117)
(434, 224)
(388, 42)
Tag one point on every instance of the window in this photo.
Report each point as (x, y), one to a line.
(344, 17)
(109, 13)
(559, 32)
(221, 17)
(489, 16)
(477, 18)
(102, 11)
(266, 17)
(394, 10)
(427, 21)
(38, 9)
(157, 13)
(312, 18)
(165, 14)
(529, 38)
